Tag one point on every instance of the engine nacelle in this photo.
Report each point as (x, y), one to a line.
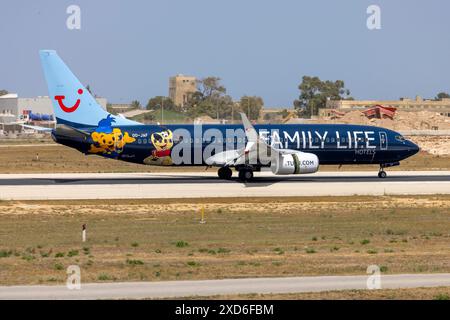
(295, 163)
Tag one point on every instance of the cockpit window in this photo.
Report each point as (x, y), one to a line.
(400, 138)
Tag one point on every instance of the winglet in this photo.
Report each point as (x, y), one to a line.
(250, 131)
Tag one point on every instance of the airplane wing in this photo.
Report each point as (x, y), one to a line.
(61, 129)
(254, 149)
(37, 128)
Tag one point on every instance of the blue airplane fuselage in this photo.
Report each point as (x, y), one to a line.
(332, 143)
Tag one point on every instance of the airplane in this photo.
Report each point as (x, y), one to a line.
(285, 149)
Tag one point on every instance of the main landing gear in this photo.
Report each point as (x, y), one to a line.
(225, 173)
(245, 174)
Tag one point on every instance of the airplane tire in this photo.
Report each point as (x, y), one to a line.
(245, 174)
(225, 173)
(382, 174)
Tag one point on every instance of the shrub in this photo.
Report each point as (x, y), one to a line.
(193, 264)
(27, 257)
(59, 255)
(134, 262)
(5, 253)
(135, 244)
(59, 266)
(223, 250)
(371, 251)
(310, 250)
(105, 277)
(441, 296)
(72, 253)
(278, 250)
(383, 269)
(365, 241)
(45, 254)
(181, 244)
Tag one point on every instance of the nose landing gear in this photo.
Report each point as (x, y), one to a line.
(382, 174)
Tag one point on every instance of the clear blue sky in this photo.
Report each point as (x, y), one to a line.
(128, 49)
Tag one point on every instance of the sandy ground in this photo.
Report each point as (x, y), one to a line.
(404, 120)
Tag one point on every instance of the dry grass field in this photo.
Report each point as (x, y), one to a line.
(130, 240)
(440, 293)
(33, 157)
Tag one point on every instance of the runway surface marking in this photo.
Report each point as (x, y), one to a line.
(172, 289)
(200, 185)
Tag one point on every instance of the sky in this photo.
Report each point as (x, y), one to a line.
(127, 50)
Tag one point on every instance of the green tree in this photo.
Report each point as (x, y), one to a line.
(211, 86)
(161, 101)
(315, 92)
(210, 99)
(135, 104)
(251, 106)
(442, 95)
(3, 92)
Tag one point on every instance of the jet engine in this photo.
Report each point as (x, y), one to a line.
(294, 162)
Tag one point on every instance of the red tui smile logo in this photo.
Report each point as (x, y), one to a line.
(68, 109)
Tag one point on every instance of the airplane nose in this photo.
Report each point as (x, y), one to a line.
(414, 148)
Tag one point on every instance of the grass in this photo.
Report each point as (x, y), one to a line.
(442, 296)
(252, 238)
(105, 277)
(439, 293)
(169, 117)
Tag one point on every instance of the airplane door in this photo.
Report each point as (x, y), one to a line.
(383, 140)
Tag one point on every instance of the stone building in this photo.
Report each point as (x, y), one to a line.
(12, 104)
(180, 87)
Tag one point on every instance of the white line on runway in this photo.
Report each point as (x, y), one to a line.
(171, 289)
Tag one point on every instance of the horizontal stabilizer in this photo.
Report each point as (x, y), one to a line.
(37, 128)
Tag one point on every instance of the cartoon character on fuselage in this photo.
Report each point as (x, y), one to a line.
(108, 140)
(163, 143)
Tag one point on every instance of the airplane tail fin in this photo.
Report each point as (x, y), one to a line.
(72, 103)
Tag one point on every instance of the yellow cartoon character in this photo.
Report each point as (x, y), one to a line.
(163, 143)
(110, 143)
(108, 140)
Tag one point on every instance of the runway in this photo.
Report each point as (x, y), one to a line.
(173, 289)
(206, 184)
